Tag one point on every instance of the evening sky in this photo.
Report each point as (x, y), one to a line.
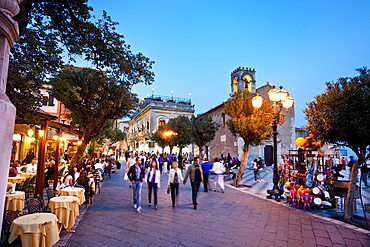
(197, 44)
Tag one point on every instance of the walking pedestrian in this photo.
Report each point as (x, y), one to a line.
(153, 178)
(364, 175)
(130, 162)
(195, 173)
(174, 178)
(218, 169)
(136, 174)
(206, 167)
(256, 171)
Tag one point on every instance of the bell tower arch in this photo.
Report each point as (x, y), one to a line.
(243, 79)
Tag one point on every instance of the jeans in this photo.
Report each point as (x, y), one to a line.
(174, 187)
(256, 174)
(205, 181)
(152, 187)
(136, 188)
(194, 191)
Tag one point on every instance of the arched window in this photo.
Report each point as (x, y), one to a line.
(247, 83)
(235, 85)
(223, 115)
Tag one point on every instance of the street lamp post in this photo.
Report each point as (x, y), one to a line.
(280, 99)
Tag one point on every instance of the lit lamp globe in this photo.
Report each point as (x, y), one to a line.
(282, 94)
(273, 94)
(257, 101)
(288, 103)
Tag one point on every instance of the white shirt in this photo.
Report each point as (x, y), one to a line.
(98, 165)
(31, 168)
(218, 168)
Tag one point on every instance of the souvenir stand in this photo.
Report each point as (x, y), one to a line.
(307, 178)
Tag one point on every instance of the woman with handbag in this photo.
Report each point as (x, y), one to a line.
(153, 178)
(174, 178)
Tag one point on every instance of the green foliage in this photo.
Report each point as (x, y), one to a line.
(341, 114)
(253, 126)
(181, 125)
(111, 133)
(92, 98)
(203, 130)
(50, 29)
(159, 138)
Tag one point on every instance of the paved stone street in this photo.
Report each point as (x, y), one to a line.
(234, 218)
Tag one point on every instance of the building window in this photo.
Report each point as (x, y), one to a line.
(147, 125)
(47, 100)
(162, 122)
(223, 118)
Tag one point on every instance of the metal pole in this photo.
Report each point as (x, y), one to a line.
(276, 174)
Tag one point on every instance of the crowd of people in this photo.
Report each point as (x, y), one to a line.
(149, 167)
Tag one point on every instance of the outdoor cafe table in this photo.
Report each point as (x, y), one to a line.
(15, 201)
(16, 180)
(74, 191)
(66, 209)
(35, 230)
(27, 175)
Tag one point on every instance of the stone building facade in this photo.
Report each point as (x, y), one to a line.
(154, 112)
(244, 79)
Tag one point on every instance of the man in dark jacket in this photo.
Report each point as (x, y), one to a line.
(136, 174)
(195, 173)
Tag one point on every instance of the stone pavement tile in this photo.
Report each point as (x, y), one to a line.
(271, 229)
(331, 228)
(347, 233)
(320, 233)
(269, 236)
(365, 242)
(280, 243)
(294, 234)
(308, 242)
(265, 243)
(294, 242)
(307, 234)
(318, 226)
(352, 242)
(336, 238)
(323, 241)
(282, 235)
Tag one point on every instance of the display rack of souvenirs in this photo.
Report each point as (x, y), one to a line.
(307, 177)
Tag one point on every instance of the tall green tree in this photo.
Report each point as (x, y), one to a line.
(93, 99)
(203, 130)
(341, 115)
(181, 125)
(53, 32)
(248, 123)
(161, 139)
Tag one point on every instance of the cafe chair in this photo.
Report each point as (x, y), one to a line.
(33, 205)
(88, 198)
(9, 217)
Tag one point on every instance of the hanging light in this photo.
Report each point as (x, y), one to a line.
(41, 133)
(30, 132)
(257, 101)
(55, 137)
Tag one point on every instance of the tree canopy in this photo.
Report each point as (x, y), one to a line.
(93, 99)
(203, 130)
(58, 31)
(248, 123)
(341, 115)
(182, 127)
